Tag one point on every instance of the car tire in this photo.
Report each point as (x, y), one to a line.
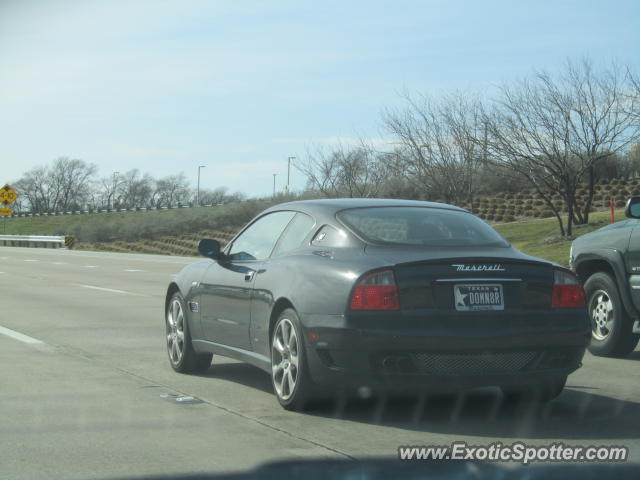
(541, 392)
(182, 357)
(611, 327)
(289, 371)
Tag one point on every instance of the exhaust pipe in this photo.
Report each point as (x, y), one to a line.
(389, 363)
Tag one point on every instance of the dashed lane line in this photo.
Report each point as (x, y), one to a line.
(19, 336)
(110, 290)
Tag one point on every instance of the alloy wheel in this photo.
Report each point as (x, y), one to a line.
(175, 331)
(285, 359)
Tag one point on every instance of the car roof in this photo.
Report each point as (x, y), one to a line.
(331, 205)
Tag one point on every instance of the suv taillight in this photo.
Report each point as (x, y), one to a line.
(376, 291)
(567, 291)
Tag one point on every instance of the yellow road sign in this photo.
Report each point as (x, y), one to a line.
(7, 195)
(5, 211)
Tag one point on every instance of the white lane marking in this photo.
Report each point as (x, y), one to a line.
(90, 266)
(125, 257)
(112, 290)
(58, 263)
(19, 336)
(31, 260)
(1, 272)
(133, 270)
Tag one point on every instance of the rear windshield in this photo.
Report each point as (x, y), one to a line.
(420, 226)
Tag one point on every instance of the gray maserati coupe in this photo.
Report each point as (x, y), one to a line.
(378, 295)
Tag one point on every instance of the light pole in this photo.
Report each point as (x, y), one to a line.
(274, 185)
(113, 191)
(198, 189)
(289, 171)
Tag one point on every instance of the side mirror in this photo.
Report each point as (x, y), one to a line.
(632, 209)
(210, 248)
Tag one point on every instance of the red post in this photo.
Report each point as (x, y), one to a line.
(612, 203)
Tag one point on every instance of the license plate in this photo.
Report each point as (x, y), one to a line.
(478, 297)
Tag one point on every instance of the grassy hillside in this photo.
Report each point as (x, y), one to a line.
(136, 226)
(507, 207)
(68, 224)
(154, 231)
(541, 237)
(538, 237)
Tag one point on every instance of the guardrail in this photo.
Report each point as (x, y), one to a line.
(108, 210)
(42, 241)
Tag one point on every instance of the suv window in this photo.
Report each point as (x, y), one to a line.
(257, 241)
(295, 233)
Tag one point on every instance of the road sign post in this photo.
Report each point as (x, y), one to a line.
(7, 197)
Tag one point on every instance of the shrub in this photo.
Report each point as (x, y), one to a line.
(141, 226)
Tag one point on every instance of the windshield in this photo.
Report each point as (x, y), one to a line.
(420, 226)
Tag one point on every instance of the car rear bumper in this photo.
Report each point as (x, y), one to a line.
(438, 360)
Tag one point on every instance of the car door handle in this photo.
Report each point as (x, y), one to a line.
(249, 276)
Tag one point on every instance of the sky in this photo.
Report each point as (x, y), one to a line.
(240, 86)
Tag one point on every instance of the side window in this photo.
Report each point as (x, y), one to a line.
(329, 237)
(257, 241)
(294, 234)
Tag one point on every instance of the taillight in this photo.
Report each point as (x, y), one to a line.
(376, 291)
(567, 291)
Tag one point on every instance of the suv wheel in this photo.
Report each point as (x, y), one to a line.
(611, 327)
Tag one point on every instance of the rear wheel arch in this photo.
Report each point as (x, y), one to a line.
(588, 268)
(173, 288)
(280, 306)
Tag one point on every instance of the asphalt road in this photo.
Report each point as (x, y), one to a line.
(86, 391)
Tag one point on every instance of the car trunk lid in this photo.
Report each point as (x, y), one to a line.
(470, 281)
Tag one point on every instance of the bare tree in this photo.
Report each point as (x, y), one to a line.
(632, 95)
(134, 189)
(64, 185)
(436, 144)
(106, 190)
(70, 182)
(345, 171)
(34, 187)
(171, 190)
(554, 130)
(633, 161)
(219, 195)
